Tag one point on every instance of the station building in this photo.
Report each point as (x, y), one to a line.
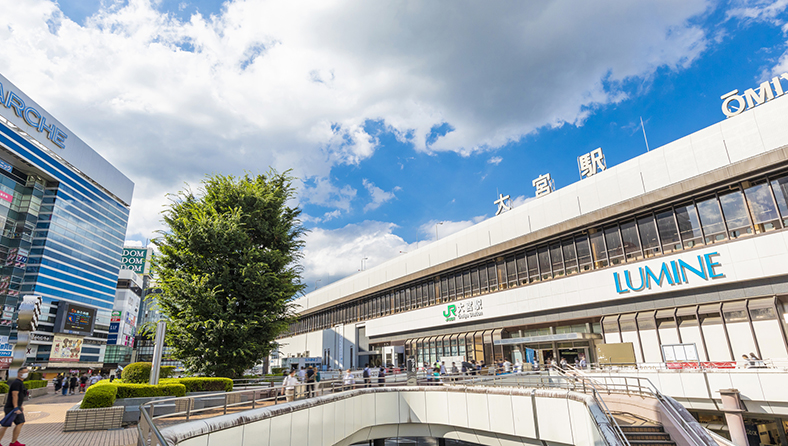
(63, 215)
(682, 246)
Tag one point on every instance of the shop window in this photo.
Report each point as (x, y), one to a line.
(615, 250)
(734, 312)
(522, 269)
(711, 220)
(556, 258)
(533, 266)
(583, 250)
(648, 236)
(762, 207)
(780, 189)
(511, 271)
(598, 248)
(544, 263)
(501, 275)
(570, 257)
(492, 277)
(631, 241)
(689, 226)
(736, 216)
(475, 281)
(762, 309)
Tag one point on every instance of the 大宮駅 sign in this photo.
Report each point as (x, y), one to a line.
(674, 272)
(733, 103)
(463, 310)
(32, 117)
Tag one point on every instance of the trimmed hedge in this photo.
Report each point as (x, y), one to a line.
(166, 371)
(137, 372)
(146, 390)
(204, 384)
(104, 393)
(3, 388)
(35, 383)
(99, 395)
(34, 376)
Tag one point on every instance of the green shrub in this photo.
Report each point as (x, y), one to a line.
(35, 383)
(278, 370)
(205, 384)
(35, 376)
(137, 372)
(166, 371)
(99, 395)
(3, 388)
(147, 391)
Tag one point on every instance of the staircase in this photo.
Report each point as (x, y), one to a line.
(642, 432)
(653, 435)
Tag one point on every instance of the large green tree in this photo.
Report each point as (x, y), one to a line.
(228, 268)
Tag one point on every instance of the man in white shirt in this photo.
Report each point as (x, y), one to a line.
(507, 366)
(290, 383)
(302, 374)
(349, 381)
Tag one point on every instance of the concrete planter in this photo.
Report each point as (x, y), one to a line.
(41, 391)
(93, 419)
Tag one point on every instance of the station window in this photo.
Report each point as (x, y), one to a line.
(631, 241)
(689, 226)
(556, 260)
(762, 205)
(533, 266)
(598, 248)
(648, 236)
(736, 216)
(711, 220)
(570, 257)
(780, 189)
(615, 250)
(544, 263)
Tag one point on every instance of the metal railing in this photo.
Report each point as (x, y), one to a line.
(167, 411)
(575, 380)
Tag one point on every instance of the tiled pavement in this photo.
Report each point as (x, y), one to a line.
(44, 426)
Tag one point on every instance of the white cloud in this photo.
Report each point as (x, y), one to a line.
(522, 199)
(495, 160)
(325, 193)
(446, 228)
(379, 196)
(759, 10)
(292, 84)
(330, 255)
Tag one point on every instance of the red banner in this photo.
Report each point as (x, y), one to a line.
(704, 365)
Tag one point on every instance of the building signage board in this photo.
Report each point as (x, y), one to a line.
(5, 166)
(33, 119)
(66, 348)
(464, 309)
(674, 272)
(135, 259)
(6, 349)
(591, 163)
(544, 185)
(734, 103)
(79, 319)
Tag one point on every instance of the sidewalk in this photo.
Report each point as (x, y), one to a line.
(44, 426)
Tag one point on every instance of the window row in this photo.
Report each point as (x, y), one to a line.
(740, 210)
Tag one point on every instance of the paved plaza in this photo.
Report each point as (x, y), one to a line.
(44, 426)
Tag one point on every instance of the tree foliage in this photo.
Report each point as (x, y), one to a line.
(228, 268)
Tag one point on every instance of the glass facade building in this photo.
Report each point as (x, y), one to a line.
(64, 211)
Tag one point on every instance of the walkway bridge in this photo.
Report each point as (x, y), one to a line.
(515, 409)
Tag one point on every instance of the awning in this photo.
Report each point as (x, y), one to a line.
(369, 353)
(549, 338)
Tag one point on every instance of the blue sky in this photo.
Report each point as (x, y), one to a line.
(393, 117)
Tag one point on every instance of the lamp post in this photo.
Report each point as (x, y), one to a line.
(436, 229)
(158, 350)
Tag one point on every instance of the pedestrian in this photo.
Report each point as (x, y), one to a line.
(454, 369)
(583, 362)
(367, 375)
(507, 366)
(310, 381)
(564, 364)
(436, 375)
(443, 368)
(381, 376)
(58, 383)
(290, 384)
(83, 382)
(72, 384)
(349, 381)
(94, 379)
(17, 392)
(111, 378)
(302, 374)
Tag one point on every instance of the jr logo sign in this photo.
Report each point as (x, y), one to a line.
(450, 313)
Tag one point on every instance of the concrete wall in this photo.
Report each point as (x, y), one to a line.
(749, 134)
(482, 415)
(762, 390)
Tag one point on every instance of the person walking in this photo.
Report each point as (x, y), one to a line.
(290, 384)
(310, 382)
(381, 376)
(58, 383)
(454, 369)
(302, 374)
(367, 375)
(348, 381)
(17, 392)
(83, 382)
(72, 384)
(443, 368)
(111, 378)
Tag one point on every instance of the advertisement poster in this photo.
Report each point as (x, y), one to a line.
(65, 348)
(115, 316)
(79, 318)
(6, 349)
(135, 259)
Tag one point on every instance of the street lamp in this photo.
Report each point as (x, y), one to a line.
(436, 229)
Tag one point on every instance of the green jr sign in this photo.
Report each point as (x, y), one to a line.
(464, 309)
